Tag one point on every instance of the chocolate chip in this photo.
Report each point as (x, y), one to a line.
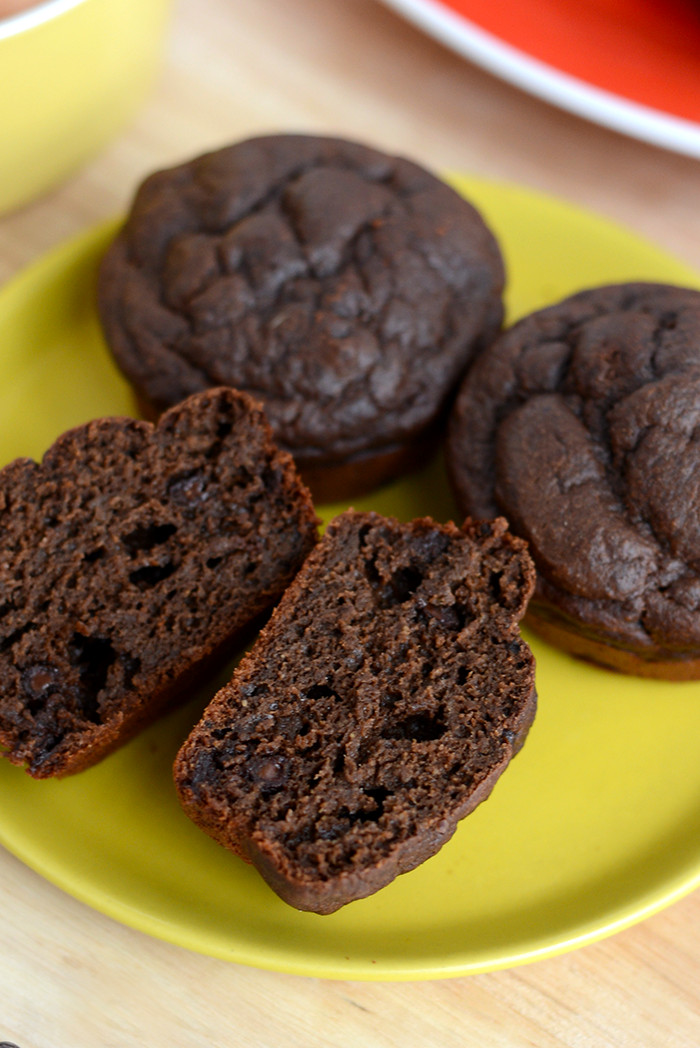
(188, 489)
(268, 772)
(40, 680)
(354, 659)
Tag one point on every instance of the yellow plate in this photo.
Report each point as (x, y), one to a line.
(595, 825)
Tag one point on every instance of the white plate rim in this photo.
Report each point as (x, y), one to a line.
(547, 83)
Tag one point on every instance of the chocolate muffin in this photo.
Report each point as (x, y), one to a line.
(345, 289)
(133, 556)
(580, 426)
(378, 707)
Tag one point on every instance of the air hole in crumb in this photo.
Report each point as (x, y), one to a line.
(320, 691)
(390, 698)
(16, 635)
(92, 657)
(403, 584)
(378, 794)
(94, 555)
(151, 574)
(131, 665)
(146, 536)
(223, 430)
(495, 585)
(398, 588)
(242, 478)
(371, 572)
(421, 727)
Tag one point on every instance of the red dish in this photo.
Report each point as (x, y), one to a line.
(633, 65)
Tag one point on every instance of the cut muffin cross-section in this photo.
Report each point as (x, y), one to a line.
(379, 706)
(132, 558)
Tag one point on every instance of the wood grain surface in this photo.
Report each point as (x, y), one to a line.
(72, 978)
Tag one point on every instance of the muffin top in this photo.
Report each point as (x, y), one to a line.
(581, 427)
(344, 288)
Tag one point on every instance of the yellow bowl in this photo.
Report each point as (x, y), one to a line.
(73, 72)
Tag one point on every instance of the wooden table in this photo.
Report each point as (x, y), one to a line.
(68, 975)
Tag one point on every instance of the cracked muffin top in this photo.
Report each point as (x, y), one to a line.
(581, 426)
(344, 288)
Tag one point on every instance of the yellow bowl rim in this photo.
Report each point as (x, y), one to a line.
(37, 14)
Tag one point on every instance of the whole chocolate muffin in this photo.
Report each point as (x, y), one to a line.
(344, 288)
(380, 704)
(581, 426)
(133, 557)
